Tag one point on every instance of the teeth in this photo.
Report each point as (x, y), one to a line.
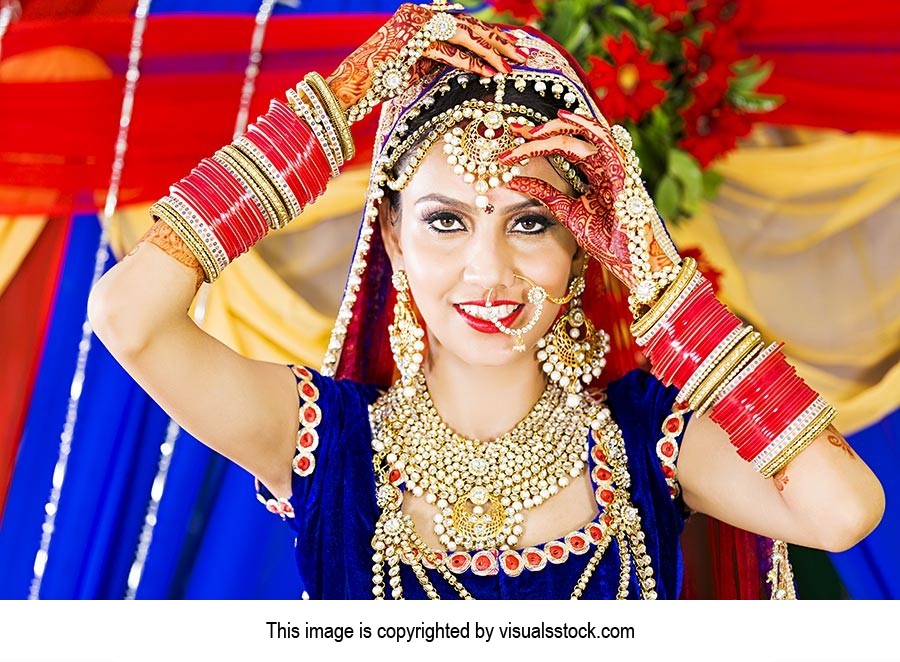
(485, 313)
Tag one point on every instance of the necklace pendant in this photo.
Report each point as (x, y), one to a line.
(480, 520)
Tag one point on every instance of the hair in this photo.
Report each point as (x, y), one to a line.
(548, 106)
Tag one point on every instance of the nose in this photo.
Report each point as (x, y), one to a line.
(489, 262)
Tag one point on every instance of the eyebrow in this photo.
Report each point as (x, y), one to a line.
(453, 202)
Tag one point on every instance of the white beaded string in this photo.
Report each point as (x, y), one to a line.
(10, 10)
(173, 430)
(101, 256)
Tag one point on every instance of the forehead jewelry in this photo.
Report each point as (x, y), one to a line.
(443, 5)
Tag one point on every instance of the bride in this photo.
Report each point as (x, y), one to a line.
(456, 442)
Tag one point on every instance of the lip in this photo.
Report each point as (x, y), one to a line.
(486, 326)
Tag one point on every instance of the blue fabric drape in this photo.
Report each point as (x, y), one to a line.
(212, 539)
(869, 570)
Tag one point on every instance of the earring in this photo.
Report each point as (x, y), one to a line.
(406, 335)
(574, 352)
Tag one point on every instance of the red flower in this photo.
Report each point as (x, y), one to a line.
(717, 12)
(712, 274)
(713, 57)
(525, 10)
(629, 87)
(711, 131)
(668, 9)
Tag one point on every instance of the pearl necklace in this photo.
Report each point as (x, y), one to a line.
(481, 488)
(396, 540)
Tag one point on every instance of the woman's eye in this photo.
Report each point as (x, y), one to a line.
(444, 222)
(531, 225)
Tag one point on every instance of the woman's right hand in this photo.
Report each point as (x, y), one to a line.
(477, 47)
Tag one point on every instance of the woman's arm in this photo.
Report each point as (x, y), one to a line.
(820, 493)
(244, 409)
(825, 498)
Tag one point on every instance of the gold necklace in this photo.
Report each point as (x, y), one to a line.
(482, 488)
(396, 540)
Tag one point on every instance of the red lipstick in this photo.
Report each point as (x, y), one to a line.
(487, 326)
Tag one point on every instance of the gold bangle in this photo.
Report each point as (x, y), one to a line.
(726, 367)
(712, 362)
(262, 188)
(335, 112)
(742, 362)
(643, 324)
(161, 211)
(808, 435)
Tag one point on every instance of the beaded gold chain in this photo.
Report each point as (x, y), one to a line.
(396, 540)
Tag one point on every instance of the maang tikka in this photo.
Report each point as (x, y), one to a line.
(406, 335)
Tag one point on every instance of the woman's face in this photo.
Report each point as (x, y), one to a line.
(454, 253)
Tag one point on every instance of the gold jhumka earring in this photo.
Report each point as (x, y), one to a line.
(573, 353)
(406, 335)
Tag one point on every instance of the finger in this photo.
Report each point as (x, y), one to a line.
(572, 149)
(555, 200)
(447, 53)
(470, 38)
(588, 126)
(551, 128)
(500, 40)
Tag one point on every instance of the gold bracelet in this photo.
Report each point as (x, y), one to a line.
(643, 324)
(161, 211)
(726, 367)
(712, 362)
(262, 188)
(335, 112)
(808, 435)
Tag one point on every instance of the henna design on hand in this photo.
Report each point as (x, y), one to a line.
(477, 47)
(780, 480)
(164, 237)
(591, 218)
(352, 78)
(840, 442)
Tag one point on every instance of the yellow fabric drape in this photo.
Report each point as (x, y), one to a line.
(806, 236)
(17, 236)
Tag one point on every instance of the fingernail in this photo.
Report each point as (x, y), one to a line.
(522, 53)
(516, 126)
(565, 113)
(505, 154)
(506, 67)
(490, 71)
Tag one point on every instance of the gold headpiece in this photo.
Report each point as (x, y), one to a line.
(473, 150)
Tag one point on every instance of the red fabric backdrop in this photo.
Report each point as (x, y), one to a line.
(835, 67)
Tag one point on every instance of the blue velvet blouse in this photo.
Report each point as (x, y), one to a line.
(333, 507)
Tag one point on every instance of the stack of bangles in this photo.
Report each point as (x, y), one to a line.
(262, 180)
(722, 366)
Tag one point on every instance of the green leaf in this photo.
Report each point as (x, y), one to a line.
(711, 182)
(685, 168)
(749, 81)
(666, 197)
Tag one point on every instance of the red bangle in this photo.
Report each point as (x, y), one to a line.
(231, 214)
(231, 193)
(246, 200)
(211, 211)
(302, 190)
(282, 145)
(297, 127)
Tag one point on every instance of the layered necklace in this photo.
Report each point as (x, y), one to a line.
(482, 489)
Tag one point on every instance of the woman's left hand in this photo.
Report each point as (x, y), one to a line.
(592, 218)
